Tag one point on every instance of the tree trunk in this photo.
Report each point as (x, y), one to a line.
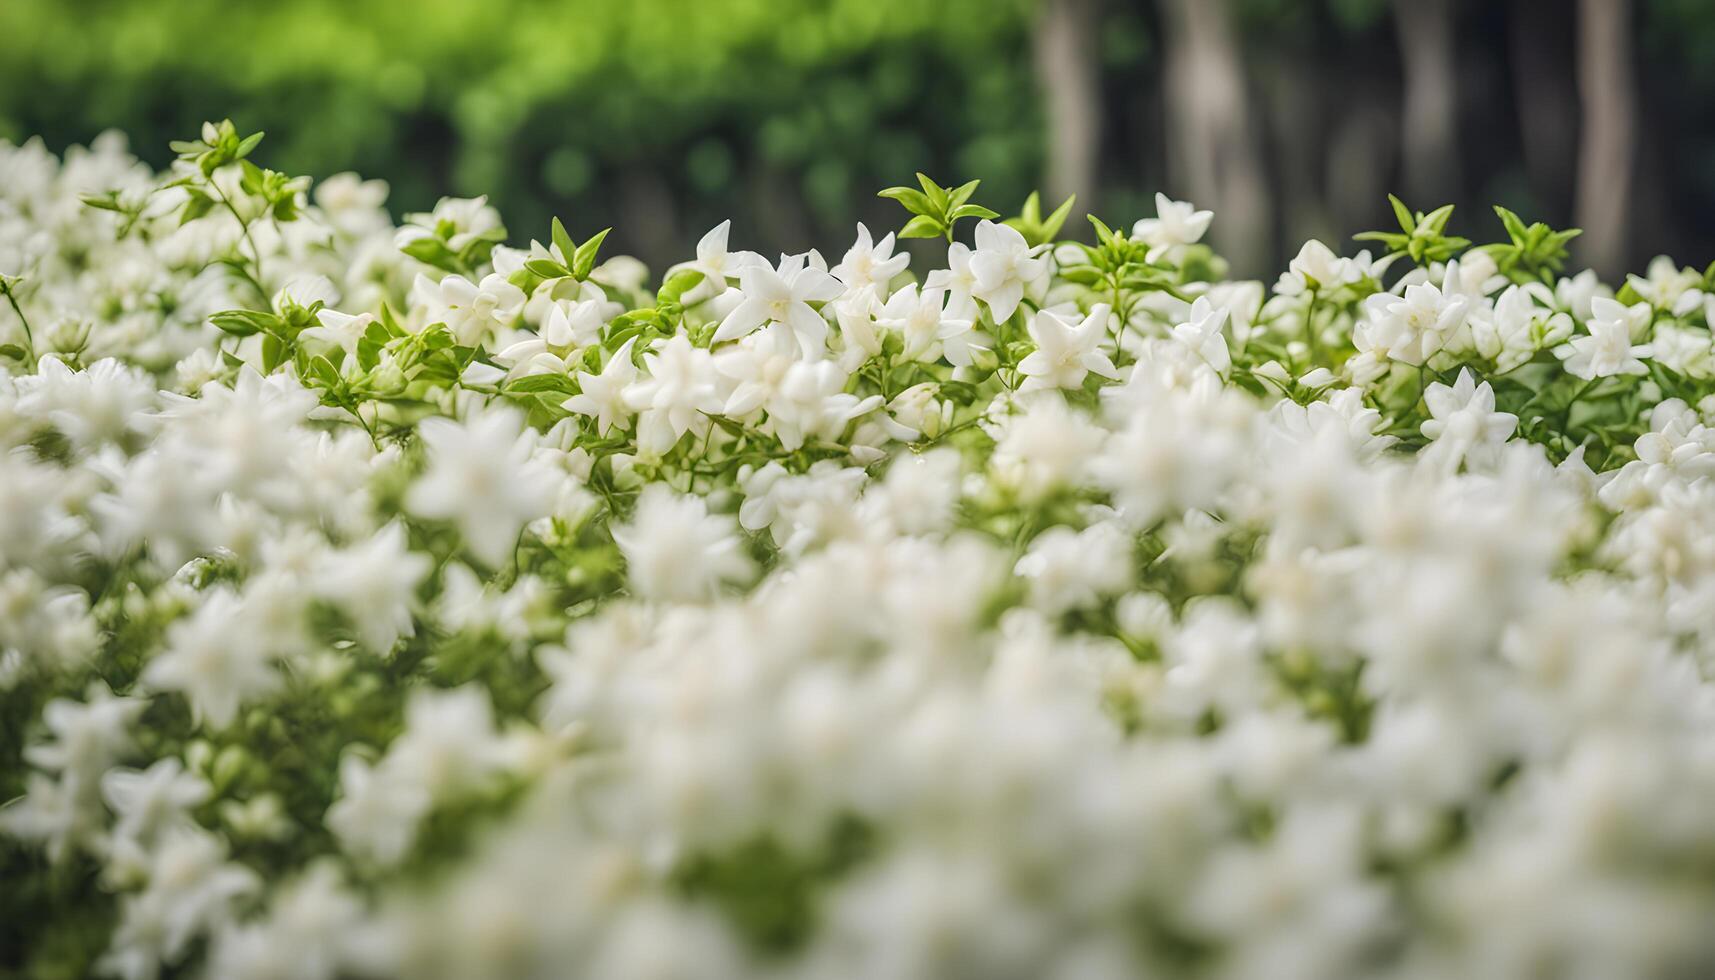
(1546, 100)
(1067, 64)
(1431, 101)
(1212, 145)
(1605, 86)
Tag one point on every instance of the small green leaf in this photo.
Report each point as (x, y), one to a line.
(972, 211)
(914, 200)
(678, 285)
(922, 226)
(243, 323)
(938, 196)
(1051, 227)
(962, 193)
(547, 268)
(1402, 214)
(584, 261)
(563, 241)
(273, 353)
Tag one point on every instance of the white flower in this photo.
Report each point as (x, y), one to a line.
(1410, 328)
(375, 585)
(1069, 569)
(481, 477)
(1201, 335)
(1176, 223)
(868, 264)
(717, 264)
(1464, 424)
(783, 296)
(192, 890)
(959, 282)
(89, 735)
(341, 330)
(152, 800)
(676, 394)
(676, 550)
(1065, 352)
(602, 396)
(469, 219)
(1315, 267)
(1002, 267)
(929, 331)
(473, 311)
(214, 661)
(377, 813)
(1669, 288)
(1608, 349)
(450, 745)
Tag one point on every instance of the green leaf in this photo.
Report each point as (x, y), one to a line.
(1104, 234)
(584, 261)
(678, 285)
(322, 370)
(962, 193)
(1437, 219)
(1402, 214)
(547, 268)
(243, 323)
(536, 383)
(1514, 226)
(273, 353)
(938, 197)
(922, 226)
(433, 251)
(246, 145)
(14, 352)
(1051, 227)
(196, 206)
(914, 200)
(972, 211)
(563, 241)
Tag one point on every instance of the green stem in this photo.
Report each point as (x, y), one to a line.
(244, 227)
(1310, 331)
(29, 337)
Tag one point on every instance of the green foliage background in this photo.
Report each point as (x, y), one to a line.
(608, 107)
(662, 117)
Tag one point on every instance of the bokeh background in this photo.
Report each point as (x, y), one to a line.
(1291, 118)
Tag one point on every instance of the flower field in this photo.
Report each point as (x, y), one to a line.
(1029, 602)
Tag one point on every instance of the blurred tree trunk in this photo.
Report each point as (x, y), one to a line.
(1212, 145)
(1605, 86)
(1426, 29)
(1546, 101)
(1066, 49)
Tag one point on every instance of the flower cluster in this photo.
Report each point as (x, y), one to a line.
(395, 602)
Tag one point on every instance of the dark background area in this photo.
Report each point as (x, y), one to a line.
(1290, 118)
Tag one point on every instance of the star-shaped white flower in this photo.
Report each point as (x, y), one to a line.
(1065, 352)
(1608, 349)
(342, 330)
(1463, 422)
(870, 264)
(717, 264)
(783, 296)
(1202, 335)
(1175, 223)
(1002, 266)
(602, 396)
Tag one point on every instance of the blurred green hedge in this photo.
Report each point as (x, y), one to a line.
(674, 110)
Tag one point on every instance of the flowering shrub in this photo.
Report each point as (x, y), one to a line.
(391, 601)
